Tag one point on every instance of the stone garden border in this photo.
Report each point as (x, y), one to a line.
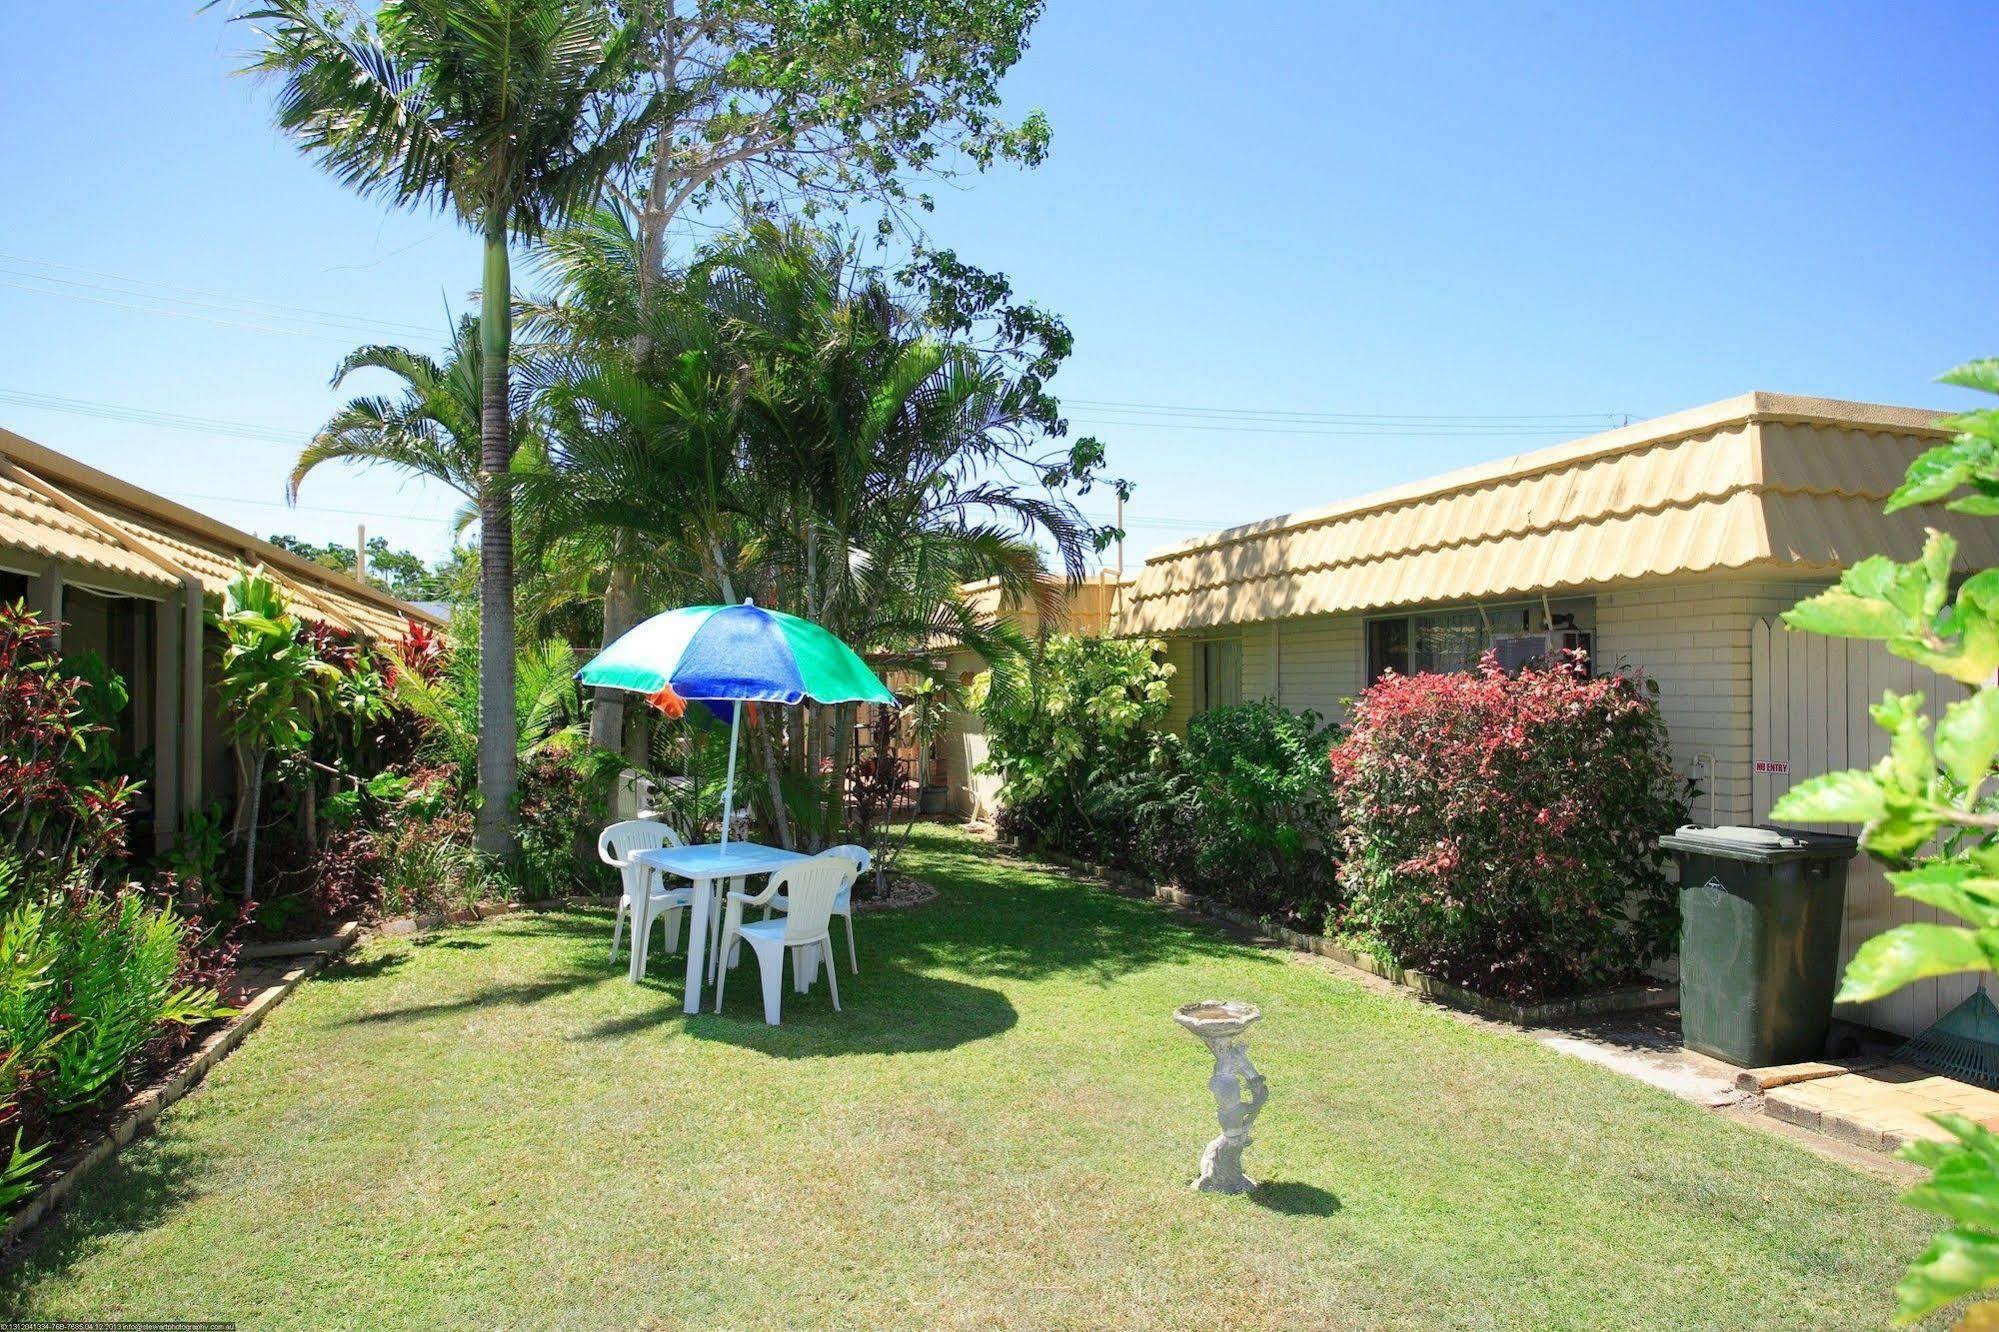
(1624, 999)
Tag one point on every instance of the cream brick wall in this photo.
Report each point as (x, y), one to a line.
(1313, 662)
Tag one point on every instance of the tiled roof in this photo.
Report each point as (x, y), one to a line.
(1764, 480)
(154, 539)
(31, 521)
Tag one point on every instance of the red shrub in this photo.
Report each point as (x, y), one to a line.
(1501, 830)
(421, 652)
(57, 827)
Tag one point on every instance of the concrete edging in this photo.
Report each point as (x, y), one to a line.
(335, 942)
(146, 1106)
(1624, 999)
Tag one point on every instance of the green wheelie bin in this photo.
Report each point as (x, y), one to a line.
(1760, 913)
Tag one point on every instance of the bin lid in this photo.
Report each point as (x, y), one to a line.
(1764, 844)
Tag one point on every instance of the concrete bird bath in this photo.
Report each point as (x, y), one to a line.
(1237, 1086)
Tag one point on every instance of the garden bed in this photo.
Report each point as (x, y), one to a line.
(91, 1139)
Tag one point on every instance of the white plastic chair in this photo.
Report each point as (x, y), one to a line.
(843, 905)
(617, 846)
(804, 930)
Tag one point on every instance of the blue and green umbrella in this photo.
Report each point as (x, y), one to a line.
(735, 654)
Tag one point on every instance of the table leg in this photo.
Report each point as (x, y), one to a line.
(722, 889)
(697, 944)
(641, 923)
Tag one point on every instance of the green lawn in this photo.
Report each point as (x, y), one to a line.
(489, 1127)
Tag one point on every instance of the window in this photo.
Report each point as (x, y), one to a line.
(13, 587)
(1518, 633)
(119, 633)
(1217, 673)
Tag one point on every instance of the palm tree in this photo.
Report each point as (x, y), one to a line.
(792, 433)
(433, 429)
(490, 108)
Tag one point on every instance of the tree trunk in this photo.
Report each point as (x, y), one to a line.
(497, 740)
(250, 842)
(778, 811)
(843, 735)
(607, 713)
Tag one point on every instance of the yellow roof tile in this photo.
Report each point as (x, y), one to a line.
(1764, 480)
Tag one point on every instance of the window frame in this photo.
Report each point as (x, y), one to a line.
(1578, 607)
(1204, 690)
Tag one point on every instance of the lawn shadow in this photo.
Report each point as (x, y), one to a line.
(455, 943)
(133, 1191)
(1294, 1198)
(521, 992)
(346, 968)
(890, 1010)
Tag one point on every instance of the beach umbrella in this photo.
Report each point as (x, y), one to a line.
(735, 654)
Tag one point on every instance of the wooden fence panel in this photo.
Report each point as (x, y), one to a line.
(1809, 697)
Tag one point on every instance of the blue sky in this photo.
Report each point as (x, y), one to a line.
(1536, 216)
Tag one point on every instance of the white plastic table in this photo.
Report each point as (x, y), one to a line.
(703, 867)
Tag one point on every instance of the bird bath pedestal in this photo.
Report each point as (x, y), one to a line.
(1237, 1086)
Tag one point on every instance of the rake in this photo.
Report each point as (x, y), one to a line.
(1962, 1044)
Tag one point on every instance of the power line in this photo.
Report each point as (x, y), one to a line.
(150, 289)
(49, 402)
(1406, 418)
(1340, 432)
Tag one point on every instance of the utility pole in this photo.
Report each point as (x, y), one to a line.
(1117, 597)
(361, 551)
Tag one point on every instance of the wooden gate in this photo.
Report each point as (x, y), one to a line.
(1808, 715)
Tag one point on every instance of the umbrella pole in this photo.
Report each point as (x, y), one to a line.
(729, 791)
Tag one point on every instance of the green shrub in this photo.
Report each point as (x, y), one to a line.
(562, 798)
(1089, 718)
(116, 962)
(1262, 811)
(1501, 830)
(90, 974)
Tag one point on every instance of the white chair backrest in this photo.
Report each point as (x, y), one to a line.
(857, 858)
(617, 844)
(809, 890)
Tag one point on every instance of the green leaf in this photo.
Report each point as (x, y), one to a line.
(1982, 374)
(1932, 476)
(1964, 1175)
(1851, 796)
(1939, 556)
(1960, 887)
(1909, 953)
(1968, 738)
(1958, 1263)
(1910, 763)
(1838, 613)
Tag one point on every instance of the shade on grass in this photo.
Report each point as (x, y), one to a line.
(491, 1127)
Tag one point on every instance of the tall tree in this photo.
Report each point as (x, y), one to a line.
(496, 110)
(763, 105)
(432, 428)
(799, 433)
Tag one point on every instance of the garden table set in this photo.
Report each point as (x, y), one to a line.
(733, 654)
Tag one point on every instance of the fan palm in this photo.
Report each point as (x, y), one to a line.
(488, 108)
